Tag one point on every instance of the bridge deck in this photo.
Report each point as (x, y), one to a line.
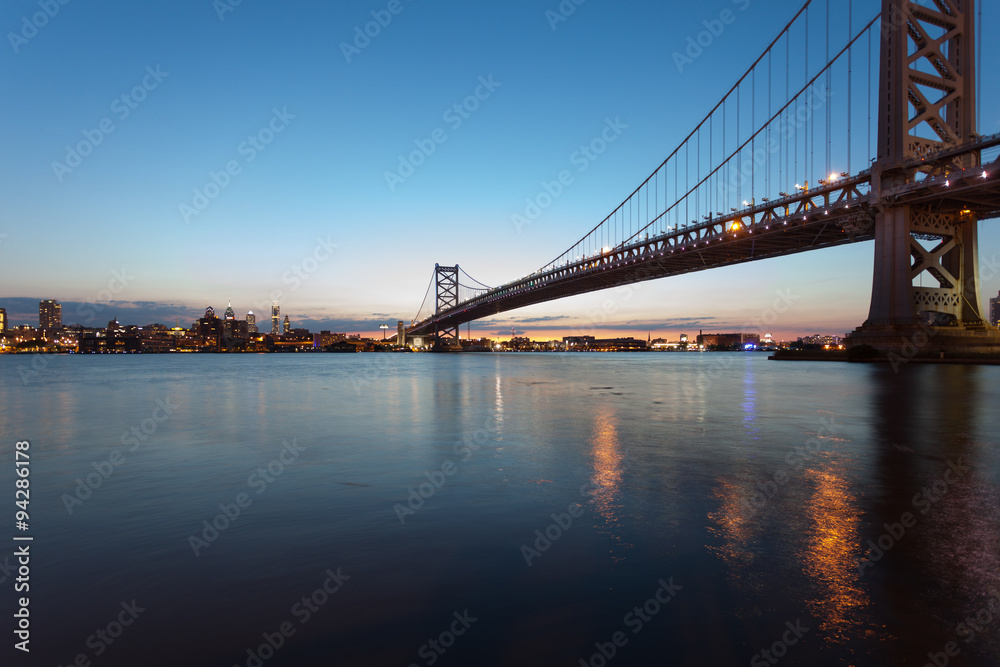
(841, 212)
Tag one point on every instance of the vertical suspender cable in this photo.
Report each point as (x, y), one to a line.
(795, 151)
(829, 106)
(739, 154)
(869, 105)
(850, 74)
(788, 79)
(979, 69)
(810, 129)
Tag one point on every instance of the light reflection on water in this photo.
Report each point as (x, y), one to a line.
(832, 550)
(610, 464)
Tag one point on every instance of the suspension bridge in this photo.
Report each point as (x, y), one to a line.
(846, 129)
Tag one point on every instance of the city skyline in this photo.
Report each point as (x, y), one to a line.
(94, 321)
(231, 334)
(287, 173)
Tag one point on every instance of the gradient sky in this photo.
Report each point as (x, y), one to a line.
(319, 190)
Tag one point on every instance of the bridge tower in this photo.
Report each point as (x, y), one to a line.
(446, 339)
(927, 102)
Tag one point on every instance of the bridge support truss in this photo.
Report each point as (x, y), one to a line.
(446, 339)
(927, 104)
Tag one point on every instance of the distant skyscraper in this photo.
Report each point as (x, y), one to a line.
(210, 325)
(49, 314)
(251, 323)
(3, 320)
(230, 315)
(275, 322)
(995, 310)
(288, 325)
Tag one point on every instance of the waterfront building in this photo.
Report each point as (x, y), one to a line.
(995, 310)
(821, 341)
(3, 321)
(157, 339)
(728, 341)
(581, 342)
(604, 344)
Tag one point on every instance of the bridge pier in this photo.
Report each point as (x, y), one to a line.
(900, 317)
(924, 110)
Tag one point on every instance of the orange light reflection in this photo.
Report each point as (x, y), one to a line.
(608, 470)
(831, 553)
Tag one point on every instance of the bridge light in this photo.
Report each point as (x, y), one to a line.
(984, 174)
(834, 176)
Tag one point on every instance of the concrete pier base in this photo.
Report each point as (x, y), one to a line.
(919, 341)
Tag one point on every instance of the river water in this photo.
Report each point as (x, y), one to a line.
(502, 509)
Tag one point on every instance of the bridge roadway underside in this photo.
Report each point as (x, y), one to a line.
(656, 259)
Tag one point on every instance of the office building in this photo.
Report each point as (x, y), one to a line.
(209, 326)
(3, 321)
(233, 328)
(288, 325)
(251, 323)
(49, 314)
(275, 314)
(995, 310)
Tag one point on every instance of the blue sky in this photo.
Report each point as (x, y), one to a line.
(262, 107)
